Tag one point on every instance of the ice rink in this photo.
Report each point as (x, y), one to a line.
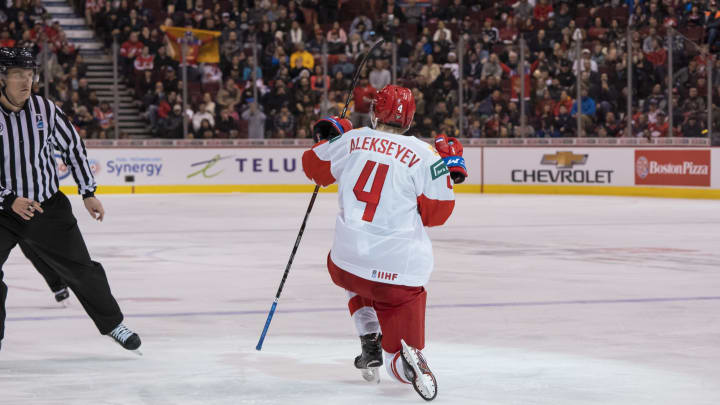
(534, 300)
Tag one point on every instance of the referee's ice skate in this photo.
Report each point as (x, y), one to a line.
(61, 295)
(126, 338)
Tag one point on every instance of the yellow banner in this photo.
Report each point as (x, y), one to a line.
(203, 46)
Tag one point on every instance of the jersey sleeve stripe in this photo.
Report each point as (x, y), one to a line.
(434, 212)
(316, 169)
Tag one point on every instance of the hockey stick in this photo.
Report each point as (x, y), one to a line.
(356, 76)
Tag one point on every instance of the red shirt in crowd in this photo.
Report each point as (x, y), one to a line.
(541, 13)
(131, 49)
(657, 58)
(515, 81)
(144, 62)
(362, 96)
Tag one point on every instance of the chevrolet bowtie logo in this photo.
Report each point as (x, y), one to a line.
(564, 160)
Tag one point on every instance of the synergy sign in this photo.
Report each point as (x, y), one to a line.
(569, 168)
(672, 167)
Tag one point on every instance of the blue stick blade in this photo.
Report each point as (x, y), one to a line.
(267, 326)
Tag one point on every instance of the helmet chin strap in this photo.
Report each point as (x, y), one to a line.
(5, 94)
(373, 118)
(10, 100)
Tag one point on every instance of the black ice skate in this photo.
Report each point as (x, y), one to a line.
(418, 372)
(126, 338)
(62, 294)
(371, 358)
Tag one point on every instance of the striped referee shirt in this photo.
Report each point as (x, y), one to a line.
(29, 142)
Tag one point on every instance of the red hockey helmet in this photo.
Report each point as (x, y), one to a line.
(394, 106)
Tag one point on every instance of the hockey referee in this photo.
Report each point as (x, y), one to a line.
(32, 208)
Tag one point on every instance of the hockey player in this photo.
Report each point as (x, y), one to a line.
(390, 186)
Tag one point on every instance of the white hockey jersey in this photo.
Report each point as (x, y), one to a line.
(389, 187)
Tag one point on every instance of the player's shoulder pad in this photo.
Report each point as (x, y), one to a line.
(426, 150)
(433, 161)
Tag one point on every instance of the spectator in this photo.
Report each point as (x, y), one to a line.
(296, 34)
(430, 70)
(587, 109)
(660, 126)
(564, 123)
(209, 103)
(278, 97)
(284, 124)
(492, 68)
(339, 83)
(712, 22)
(172, 127)
(202, 115)
(227, 125)
(206, 130)
(363, 94)
(170, 81)
(297, 69)
(231, 46)
(144, 62)
(442, 30)
(543, 10)
(344, 66)
(316, 80)
(144, 84)
(336, 33)
(585, 63)
(306, 59)
(693, 127)
(104, 116)
(380, 76)
(229, 96)
(524, 10)
(211, 73)
(694, 103)
(128, 51)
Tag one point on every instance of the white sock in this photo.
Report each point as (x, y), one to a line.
(395, 366)
(365, 318)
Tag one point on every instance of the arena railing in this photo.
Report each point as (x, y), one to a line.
(468, 142)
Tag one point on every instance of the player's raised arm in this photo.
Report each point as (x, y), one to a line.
(434, 189)
(323, 162)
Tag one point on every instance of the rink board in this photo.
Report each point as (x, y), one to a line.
(660, 172)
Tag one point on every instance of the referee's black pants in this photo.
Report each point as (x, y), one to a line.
(55, 237)
(52, 278)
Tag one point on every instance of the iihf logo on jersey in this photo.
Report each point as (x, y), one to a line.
(383, 275)
(39, 123)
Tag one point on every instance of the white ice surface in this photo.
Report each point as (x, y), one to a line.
(534, 300)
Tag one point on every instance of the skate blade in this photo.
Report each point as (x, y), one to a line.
(425, 385)
(136, 351)
(371, 374)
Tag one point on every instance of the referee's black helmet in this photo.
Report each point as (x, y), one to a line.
(18, 58)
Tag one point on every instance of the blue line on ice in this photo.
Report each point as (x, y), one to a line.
(441, 306)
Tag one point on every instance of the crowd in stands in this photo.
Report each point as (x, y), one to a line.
(27, 24)
(284, 39)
